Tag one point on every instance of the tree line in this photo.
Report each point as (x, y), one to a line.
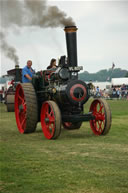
(103, 75)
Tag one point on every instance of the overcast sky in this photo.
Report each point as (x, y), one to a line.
(102, 37)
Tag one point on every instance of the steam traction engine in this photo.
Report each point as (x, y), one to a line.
(10, 93)
(56, 97)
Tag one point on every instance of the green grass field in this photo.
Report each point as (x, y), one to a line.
(77, 162)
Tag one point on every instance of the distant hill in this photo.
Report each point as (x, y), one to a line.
(103, 75)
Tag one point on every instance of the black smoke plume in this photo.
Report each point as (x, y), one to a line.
(33, 13)
(8, 50)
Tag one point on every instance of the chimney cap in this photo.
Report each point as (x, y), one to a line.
(70, 29)
(17, 66)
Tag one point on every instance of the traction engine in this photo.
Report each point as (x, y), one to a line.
(10, 93)
(56, 97)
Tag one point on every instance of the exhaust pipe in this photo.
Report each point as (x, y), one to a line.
(71, 42)
(17, 73)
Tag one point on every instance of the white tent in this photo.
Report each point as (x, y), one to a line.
(102, 85)
(119, 81)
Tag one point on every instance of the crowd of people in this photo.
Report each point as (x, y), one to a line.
(118, 92)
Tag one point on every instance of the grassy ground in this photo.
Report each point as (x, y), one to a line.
(78, 162)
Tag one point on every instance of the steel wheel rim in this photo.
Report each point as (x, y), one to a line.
(98, 124)
(20, 109)
(48, 120)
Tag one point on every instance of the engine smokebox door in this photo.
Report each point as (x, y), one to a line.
(77, 92)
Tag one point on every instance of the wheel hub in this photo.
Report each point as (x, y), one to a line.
(46, 120)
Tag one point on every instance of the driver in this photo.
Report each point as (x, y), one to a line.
(27, 72)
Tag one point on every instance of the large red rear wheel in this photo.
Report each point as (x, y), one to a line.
(50, 120)
(26, 111)
(102, 122)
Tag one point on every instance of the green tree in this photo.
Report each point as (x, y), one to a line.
(126, 74)
(103, 75)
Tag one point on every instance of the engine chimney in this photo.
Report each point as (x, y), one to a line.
(17, 73)
(70, 32)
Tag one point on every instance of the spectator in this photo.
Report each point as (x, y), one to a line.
(97, 91)
(114, 94)
(118, 93)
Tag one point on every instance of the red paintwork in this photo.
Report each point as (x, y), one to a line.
(98, 124)
(67, 124)
(12, 82)
(72, 92)
(20, 109)
(48, 128)
(48, 74)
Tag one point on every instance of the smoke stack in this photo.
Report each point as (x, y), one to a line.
(17, 66)
(17, 73)
(70, 32)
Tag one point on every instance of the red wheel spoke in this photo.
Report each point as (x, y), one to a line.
(97, 126)
(51, 119)
(24, 106)
(23, 121)
(19, 97)
(47, 127)
(99, 123)
(101, 109)
(51, 126)
(100, 126)
(47, 109)
(47, 114)
(51, 113)
(94, 122)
